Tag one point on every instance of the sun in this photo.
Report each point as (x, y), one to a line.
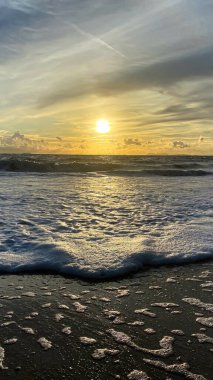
(102, 126)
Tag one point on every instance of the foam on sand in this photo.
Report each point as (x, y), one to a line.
(180, 369)
(87, 341)
(64, 307)
(29, 294)
(205, 321)
(178, 332)
(28, 330)
(59, 317)
(45, 343)
(66, 330)
(2, 355)
(149, 331)
(165, 343)
(138, 375)
(112, 314)
(165, 305)
(11, 341)
(97, 334)
(203, 338)
(101, 353)
(145, 312)
(199, 303)
(79, 307)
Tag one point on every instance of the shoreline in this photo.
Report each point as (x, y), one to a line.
(146, 307)
(89, 278)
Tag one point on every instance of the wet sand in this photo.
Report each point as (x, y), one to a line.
(142, 327)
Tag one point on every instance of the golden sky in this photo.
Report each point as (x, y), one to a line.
(146, 66)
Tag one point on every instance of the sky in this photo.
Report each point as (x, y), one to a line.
(146, 66)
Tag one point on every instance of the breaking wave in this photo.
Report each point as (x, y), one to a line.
(110, 258)
(172, 166)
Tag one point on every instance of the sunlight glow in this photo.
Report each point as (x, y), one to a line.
(102, 126)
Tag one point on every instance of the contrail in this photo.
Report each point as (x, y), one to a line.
(97, 39)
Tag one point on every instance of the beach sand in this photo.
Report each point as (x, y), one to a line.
(141, 327)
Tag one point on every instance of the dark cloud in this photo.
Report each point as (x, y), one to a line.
(131, 141)
(179, 144)
(160, 75)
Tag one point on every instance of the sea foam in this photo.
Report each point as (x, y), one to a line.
(99, 227)
(112, 257)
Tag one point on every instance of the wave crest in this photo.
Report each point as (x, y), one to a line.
(115, 165)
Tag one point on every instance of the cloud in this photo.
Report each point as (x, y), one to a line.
(19, 21)
(179, 144)
(132, 141)
(146, 64)
(174, 109)
(16, 138)
(19, 142)
(161, 74)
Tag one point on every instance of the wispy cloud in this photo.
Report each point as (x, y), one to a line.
(94, 38)
(159, 75)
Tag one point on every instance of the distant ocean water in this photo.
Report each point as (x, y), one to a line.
(104, 216)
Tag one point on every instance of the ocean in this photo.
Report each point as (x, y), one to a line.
(100, 217)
